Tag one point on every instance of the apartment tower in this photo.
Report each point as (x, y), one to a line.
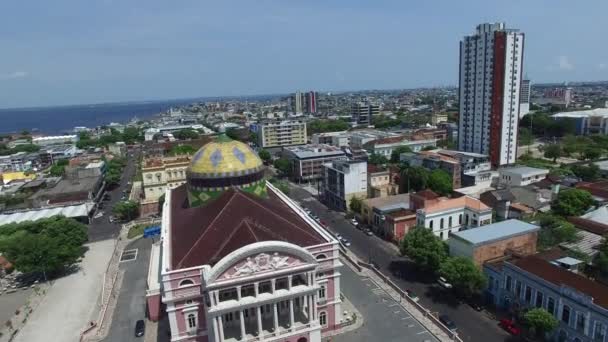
(491, 62)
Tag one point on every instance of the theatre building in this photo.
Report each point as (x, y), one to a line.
(238, 260)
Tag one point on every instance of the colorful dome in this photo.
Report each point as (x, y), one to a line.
(224, 163)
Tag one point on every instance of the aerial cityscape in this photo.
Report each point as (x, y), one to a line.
(464, 208)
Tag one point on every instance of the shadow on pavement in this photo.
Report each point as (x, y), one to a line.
(406, 270)
(164, 331)
(438, 295)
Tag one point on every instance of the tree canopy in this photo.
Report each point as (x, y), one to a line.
(126, 210)
(377, 159)
(355, 204)
(572, 202)
(463, 274)
(554, 230)
(264, 155)
(424, 248)
(540, 321)
(182, 149)
(396, 154)
(114, 171)
(283, 165)
(321, 126)
(440, 182)
(186, 134)
(414, 178)
(46, 246)
(552, 151)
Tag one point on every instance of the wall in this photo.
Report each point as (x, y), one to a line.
(524, 244)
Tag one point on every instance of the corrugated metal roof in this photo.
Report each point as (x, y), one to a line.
(33, 215)
(496, 231)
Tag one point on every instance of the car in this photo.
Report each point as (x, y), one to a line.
(368, 232)
(509, 326)
(412, 295)
(445, 319)
(339, 236)
(474, 305)
(444, 283)
(354, 222)
(140, 328)
(345, 242)
(112, 219)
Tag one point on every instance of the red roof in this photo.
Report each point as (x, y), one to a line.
(427, 194)
(371, 168)
(204, 235)
(558, 276)
(589, 225)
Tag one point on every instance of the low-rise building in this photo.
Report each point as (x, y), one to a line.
(16, 162)
(343, 180)
(118, 149)
(599, 190)
(70, 191)
(494, 241)
(158, 175)
(281, 133)
(359, 138)
(55, 140)
(380, 182)
(307, 161)
(328, 138)
(397, 223)
(438, 118)
(578, 303)
(475, 167)
(449, 215)
(521, 175)
(433, 161)
(372, 208)
(593, 121)
(362, 113)
(386, 146)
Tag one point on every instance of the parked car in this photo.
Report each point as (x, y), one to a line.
(339, 236)
(509, 326)
(368, 232)
(354, 222)
(444, 283)
(345, 242)
(140, 328)
(412, 295)
(445, 319)
(475, 305)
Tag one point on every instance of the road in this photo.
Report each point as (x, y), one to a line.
(101, 228)
(472, 325)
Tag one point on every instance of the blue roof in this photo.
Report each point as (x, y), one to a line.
(496, 231)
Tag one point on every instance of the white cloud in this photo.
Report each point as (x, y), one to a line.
(564, 63)
(14, 75)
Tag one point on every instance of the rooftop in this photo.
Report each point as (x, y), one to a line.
(496, 232)
(559, 276)
(599, 215)
(380, 202)
(583, 113)
(314, 151)
(524, 171)
(444, 203)
(80, 210)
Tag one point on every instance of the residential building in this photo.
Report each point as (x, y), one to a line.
(150, 133)
(438, 118)
(55, 140)
(16, 162)
(282, 133)
(381, 182)
(397, 223)
(491, 63)
(343, 180)
(524, 98)
(372, 208)
(521, 175)
(328, 138)
(599, 190)
(358, 139)
(592, 121)
(118, 149)
(362, 113)
(385, 146)
(307, 160)
(475, 167)
(429, 133)
(494, 241)
(578, 303)
(158, 175)
(243, 263)
(435, 161)
(445, 216)
(297, 102)
(556, 96)
(70, 190)
(311, 102)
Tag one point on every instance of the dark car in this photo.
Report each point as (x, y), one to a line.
(140, 328)
(447, 322)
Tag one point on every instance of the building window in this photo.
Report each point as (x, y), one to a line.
(599, 332)
(322, 292)
(508, 283)
(321, 256)
(191, 321)
(539, 299)
(431, 224)
(185, 282)
(580, 321)
(551, 306)
(566, 314)
(450, 222)
(441, 224)
(528, 295)
(518, 288)
(323, 319)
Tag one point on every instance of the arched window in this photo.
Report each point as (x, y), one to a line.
(302, 339)
(460, 219)
(322, 292)
(191, 321)
(186, 282)
(321, 257)
(323, 319)
(441, 223)
(450, 222)
(431, 224)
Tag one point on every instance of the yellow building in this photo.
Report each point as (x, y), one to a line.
(160, 173)
(8, 177)
(282, 133)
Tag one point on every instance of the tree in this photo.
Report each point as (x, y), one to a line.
(440, 182)
(424, 248)
(264, 155)
(552, 151)
(414, 178)
(555, 230)
(428, 148)
(525, 136)
(355, 204)
(182, 150)
(283, 165)
(587, 173)
(112, 178)
(591, 153)
(320, 126)
(601, 259)
(540, 321)
(396, 154)
(463, 274)
(572, 202)
(57, 170)
(46, 246)
(126, 210)
(161, 202)
(185, 134)
(377, 159)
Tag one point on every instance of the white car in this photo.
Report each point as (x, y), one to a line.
(345, 242)
(354, 222)
(444, 283)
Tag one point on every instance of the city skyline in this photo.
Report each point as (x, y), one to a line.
(114, 52)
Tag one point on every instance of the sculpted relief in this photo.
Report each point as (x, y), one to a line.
(259, 263)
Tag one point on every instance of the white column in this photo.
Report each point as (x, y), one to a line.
(276, 317)
(220, 326)
(289, 278)
(256, 288)
(310, 305)
(238, 293)
(314, 305)
(291, 313)
(258, 313)
(273, 284)
(216, 328)
(242, 319)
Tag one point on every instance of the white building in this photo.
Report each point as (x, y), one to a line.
(386, 146)
(491, 62)
(281, 133)
(343, 180)
(521, 175)
(524, 98)
(593, 121)
(55, 140)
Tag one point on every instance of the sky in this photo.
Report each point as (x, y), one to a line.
(76, 52)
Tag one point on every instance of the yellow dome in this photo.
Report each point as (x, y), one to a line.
(224, 158)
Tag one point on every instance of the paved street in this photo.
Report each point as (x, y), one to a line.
(384, 318)
(131, 304)
(472, 325)
(101, 228)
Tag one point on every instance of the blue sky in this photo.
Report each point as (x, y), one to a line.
(75, 51)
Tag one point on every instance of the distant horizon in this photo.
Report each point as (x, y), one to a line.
(180, 99)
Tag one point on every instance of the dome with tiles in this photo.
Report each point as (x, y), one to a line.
(224, 163)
